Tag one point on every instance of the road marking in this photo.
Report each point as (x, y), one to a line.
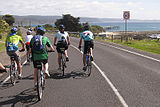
(108, 81)
(135, 53)
(9, 75)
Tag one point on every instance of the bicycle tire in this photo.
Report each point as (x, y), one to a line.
(89, 66)
(12, 75)
(39, 85)
(63, 64)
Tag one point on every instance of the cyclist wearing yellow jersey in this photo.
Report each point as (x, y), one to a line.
(11, 44)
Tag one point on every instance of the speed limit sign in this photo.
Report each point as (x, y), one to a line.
(126, 15)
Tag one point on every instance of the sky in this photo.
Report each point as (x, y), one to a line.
(139, 9)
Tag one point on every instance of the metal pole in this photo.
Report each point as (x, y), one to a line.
(126, 31)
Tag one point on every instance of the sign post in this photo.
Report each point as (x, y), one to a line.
(126, 16)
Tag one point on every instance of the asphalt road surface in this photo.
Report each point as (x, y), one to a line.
(120, 77)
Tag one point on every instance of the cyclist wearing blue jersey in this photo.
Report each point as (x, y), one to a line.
(87, 37)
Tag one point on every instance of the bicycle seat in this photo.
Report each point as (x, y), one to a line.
(12, 57)
(62, 49)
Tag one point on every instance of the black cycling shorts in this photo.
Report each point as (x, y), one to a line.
(87, 46)
(27, 47)
(38, 62)
(61, 45)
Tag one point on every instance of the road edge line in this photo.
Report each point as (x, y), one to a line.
(135, 53)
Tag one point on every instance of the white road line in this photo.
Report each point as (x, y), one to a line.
(109, 82)
(9, 75)
(135, 53)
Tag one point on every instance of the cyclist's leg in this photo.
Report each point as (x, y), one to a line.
(27, 47)
(59, 59)
(35, 71)
(65, 52)
(59, 54)
(45, 62)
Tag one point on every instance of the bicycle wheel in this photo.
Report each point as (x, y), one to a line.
(39, 85)
(63, 64)
(12, 74)
(89, 66)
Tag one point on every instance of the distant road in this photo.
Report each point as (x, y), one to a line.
(135, 78)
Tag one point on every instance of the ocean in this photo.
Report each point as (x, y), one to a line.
(132, 26)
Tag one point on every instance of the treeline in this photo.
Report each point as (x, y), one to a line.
(72, 24)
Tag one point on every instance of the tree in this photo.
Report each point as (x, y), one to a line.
(9, 19)
(71, 23)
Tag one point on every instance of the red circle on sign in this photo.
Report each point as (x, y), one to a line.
(126, 15)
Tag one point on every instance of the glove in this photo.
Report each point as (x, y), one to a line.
(79, 47)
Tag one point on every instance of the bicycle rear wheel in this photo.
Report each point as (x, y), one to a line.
(40, 85)
(89, 66)
(63, 64)
(12, 75)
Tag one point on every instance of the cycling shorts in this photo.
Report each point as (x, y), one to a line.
(15, 54)
(27, 47)
(61, 45)
(38, 62)
(87, 46)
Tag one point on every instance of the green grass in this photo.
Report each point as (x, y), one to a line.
(147, 45)
(2, 47)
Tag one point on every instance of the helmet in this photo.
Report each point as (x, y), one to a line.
(61, 26)
(14, 30)
(30, 29)
(86, 27)
(41, 30)
(29, 32)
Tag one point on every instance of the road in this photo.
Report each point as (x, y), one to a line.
(121, 77)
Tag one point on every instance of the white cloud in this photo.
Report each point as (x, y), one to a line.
(82, 8)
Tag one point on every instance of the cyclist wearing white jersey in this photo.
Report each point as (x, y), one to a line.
(27, 42)
(87, 37)
(63, 40)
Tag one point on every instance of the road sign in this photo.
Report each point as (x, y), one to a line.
(126, 15)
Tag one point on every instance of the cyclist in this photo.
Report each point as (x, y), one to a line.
(30, 29)
(11, 44)
(40, 55)
(27, 42)
(2, 68)
(87, 37)
(63, 40)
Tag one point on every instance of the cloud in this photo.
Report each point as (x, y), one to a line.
(82, 8)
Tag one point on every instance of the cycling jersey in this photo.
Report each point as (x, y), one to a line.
(59, 35)
(40, 56)
(86, 35)
(28, 39)
(12, 42)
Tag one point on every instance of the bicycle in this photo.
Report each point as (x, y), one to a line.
(88, 63)
(63, 61)
(13, 70)
(29, 58)
(40, 80)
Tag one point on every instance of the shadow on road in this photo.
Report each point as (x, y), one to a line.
(76, 74)
(7, 85)
(26, 98)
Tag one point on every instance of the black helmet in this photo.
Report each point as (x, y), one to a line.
(61, 26)
(86, 27)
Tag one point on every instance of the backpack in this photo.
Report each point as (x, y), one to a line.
(38, 43)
